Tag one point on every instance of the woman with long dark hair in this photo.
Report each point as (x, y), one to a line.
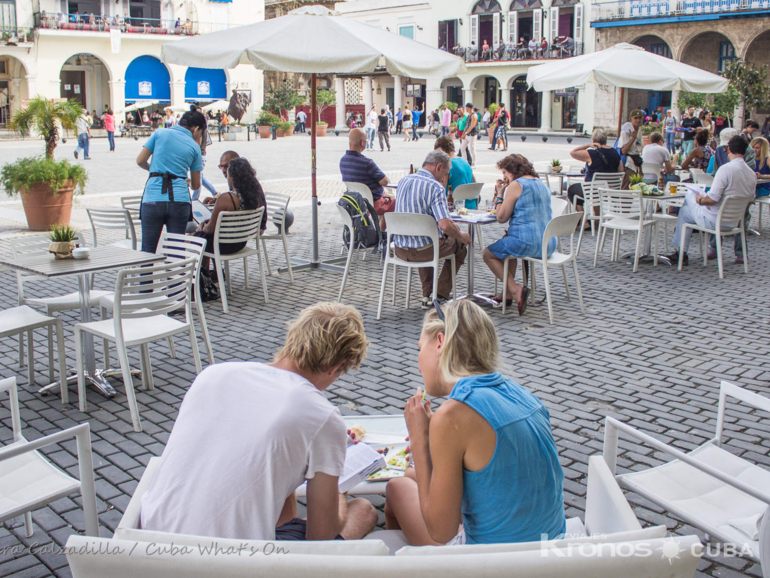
(168, 155)
(245, 194)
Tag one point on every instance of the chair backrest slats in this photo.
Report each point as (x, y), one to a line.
(112, 219)
(608, 180)
(238, 226)
(277, 204)
(732, 211)
(620, 203)
(156, 290)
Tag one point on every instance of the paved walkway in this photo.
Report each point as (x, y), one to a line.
(650, 350)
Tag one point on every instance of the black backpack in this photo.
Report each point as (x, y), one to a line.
(366, 223)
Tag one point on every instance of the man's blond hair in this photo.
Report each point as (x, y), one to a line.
(325, 336)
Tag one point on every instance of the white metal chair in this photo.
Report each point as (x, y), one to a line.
(591, 199)
(347, 222)
(132, 204)
(709, 488)
(362, 189)
(175, 248)
(22, 247)
(23, 319)
(623, 211)
(143, 298)
(113, 219)
(413, 225)
(471, 192)
(237, 227)
(558, 226)
(733, 210)
(28, 481)
(703, 179)
(277, 205)
(665, 204)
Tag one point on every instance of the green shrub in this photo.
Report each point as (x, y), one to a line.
(286, 127)
(25, 173)
(268, 119)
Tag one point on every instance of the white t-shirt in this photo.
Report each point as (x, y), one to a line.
(246, 436)
(625, 136)
(373, 119)
(732, 179)
(81, 124)
(301, 116)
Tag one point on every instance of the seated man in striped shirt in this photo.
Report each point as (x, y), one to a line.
(423, 193)
(356, 168)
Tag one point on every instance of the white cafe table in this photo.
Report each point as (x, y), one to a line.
(474, 218)
(100, 259)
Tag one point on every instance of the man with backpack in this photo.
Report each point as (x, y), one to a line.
(356, 168)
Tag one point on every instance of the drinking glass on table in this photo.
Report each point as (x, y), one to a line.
(490, 206)
(459, 204)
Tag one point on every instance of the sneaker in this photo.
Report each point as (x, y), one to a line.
(711, 255)
(674, 258)
(739, 259)
(75, 153)
(426, 304)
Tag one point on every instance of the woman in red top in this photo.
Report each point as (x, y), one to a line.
(109, 126)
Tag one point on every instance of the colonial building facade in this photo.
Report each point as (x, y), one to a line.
(107, 53)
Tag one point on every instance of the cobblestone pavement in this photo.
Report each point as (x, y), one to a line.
(650, 350)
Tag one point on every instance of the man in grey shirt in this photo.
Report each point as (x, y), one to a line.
(733, 179)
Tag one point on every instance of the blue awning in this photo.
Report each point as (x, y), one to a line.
(205, 84)
(147, 78)
(221, 0)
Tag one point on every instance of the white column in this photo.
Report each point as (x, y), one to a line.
(433, 98)
(506, 99)
(118, 98)
(31, 85)
(177, 93)
(368, 103)
(467, 96)
(674, 108)
(545, 112)
(398, 94)
(339, 88)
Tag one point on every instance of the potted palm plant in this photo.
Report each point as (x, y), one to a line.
(46, 186)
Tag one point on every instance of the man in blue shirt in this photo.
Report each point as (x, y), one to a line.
(399, 121)
(356, 168)
(416, 114)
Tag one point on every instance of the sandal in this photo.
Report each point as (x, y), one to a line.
(522, 305)
(499, 303)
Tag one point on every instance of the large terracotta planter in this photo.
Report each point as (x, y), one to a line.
(264, 132)
(286, 133)
(320, 129)
(44, 208)
(646, 139)
(279, 133)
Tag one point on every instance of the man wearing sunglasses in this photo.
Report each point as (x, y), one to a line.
(224, 164)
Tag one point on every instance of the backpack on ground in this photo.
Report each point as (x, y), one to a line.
(366, 223)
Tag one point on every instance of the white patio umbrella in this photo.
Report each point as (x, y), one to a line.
(177, 108)
(624, 66)
(217, 105)
(140, 104)
(322, 42)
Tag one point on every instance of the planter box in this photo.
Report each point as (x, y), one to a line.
(230, 136)
(264, 132)
(236, 128)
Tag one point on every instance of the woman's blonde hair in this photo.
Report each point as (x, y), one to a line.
(470, 343)
(325, 336)
(764, 150)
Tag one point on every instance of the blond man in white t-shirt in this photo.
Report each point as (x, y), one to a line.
(248, 434)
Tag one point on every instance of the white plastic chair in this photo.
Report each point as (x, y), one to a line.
(22, 247)
(143, 298)
(559, 226)
(277, 205)
(761, 202)
(362, 189)
(591, 199)
(347, 222)
(237, 227)
(132, 204)
(23, 319)
(651, 172)
(413, 225)
(623, 211)
(113, 219)
(28, 481)
(709, 488)
(733, 210)
(471, 192)
(175, 248)
(665, 204)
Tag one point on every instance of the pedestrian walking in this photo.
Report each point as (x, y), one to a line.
(469, 134)
(382, 130)
(407, 122)
(83, 127)
(301, 118)
(399, 121)
(416, 114)
(109, 125)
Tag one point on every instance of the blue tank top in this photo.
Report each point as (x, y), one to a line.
(518, 496)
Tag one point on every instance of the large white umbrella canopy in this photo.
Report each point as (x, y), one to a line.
(140, 104)
(624, 66)
(314, 40)
(217, 105)
(311, 40)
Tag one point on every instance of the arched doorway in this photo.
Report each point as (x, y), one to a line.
(757, 54)
(525, 104)
(488, 87)
(147, 78)
(205, 85)
(13, 87)
(709, 51)
(651, 100)
(485, 24)
(85, 78)
(453, 89)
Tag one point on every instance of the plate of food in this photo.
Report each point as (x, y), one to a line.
(385, 475)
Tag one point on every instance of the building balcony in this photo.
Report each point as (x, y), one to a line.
(90, 23)
(554, 50)
(642, 10)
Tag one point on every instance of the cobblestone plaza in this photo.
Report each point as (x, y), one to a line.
(650, 350)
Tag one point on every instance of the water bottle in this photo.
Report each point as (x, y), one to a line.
(459, 204)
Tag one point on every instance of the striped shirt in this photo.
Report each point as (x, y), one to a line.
(356, 168)
(420, 193)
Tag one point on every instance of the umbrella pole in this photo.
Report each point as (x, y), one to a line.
(620, 112)
(314, 263)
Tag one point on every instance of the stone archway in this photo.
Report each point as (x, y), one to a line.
(651, 100)
(15, 87)
(86, 78)
(757, 53)
(708, 50)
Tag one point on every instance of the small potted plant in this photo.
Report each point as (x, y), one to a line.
(320, 128)
(46, 186)
(555, 166)
(62, 239)
(285, 129)
(637, 182)
(265, 121)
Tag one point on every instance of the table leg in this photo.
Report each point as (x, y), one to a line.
(471, 295)
(95, 377)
